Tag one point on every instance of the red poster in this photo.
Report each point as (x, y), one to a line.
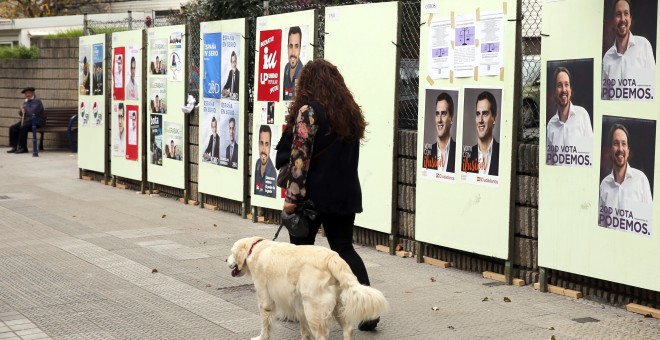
(270, 45)
(132, 137)
(118, 81)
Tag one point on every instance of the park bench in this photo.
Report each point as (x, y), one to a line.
(60, 120)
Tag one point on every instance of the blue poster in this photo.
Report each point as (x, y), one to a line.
(212, 48)
(97, 63)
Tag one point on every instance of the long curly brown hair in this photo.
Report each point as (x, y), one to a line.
(320, 81)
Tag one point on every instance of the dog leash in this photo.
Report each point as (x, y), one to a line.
(277, 233)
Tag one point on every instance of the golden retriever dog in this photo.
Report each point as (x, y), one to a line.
(310, 284)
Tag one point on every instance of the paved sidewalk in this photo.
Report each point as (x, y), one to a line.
(76, 262)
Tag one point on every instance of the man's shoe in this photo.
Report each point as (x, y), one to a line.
(21, 150)
(12, 150)
(368, 325)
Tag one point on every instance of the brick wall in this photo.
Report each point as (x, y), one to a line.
(54, 74)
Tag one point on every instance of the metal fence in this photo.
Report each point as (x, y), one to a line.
(409, 55)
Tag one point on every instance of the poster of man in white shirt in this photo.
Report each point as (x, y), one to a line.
(625, 201)
(569, 133)
(628, 71)
(440, 123)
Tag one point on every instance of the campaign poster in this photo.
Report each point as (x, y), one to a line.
(174, 141)
(440, 124)
(118, 73)
(629, 50)
(157, 62)
(229, 129)
(230, 72)
(270, 44)
(212, 50)
(209, 126)
(156, 142)
(268, 113)
(175, 54)
(480, 152)
(132, 138)
(158, 95)
(84, 77)
(97, 114)
(133, 67)
(625, 199)
(118, 130)
(569, 113)
(295, 46)
(98, 54)
(265, 174)
(84, 114)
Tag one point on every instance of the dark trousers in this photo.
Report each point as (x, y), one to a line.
(18, 135)
(339, 231)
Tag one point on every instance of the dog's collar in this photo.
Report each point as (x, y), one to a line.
(254, 244)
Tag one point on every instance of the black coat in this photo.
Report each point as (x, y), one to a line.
(494, 159)
(452, 154)
(332, 180)
(236, 86)
(234, 158)
(216, 150)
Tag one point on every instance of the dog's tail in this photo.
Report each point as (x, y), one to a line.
(359, 303)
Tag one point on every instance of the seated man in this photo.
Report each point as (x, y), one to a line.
(18, 132)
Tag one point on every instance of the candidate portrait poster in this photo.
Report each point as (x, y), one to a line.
(84, 75)
(132, 137)
(118, 130)
(173, 141)
(158, 95)
(210, 130)
(98, 54)
(265, 174)
(294, 56)
(270, 52)
(231, 49)
(229, 130)
(629, 50)
(440, 125)
(157, 62)
(569, 113)
(212, 60)
(133, 74)
(118, 73)
(156, 142)
(480, 150)
(625, 198)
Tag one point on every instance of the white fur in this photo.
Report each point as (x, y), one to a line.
(307, 283)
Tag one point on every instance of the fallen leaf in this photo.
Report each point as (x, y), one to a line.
(450, 327)
(506, 299)
(551, 328)
(434, 308)
(215, 225)
(553, 338)
(484, 299)
(433, 279)
(154, 271)
(648, 315)
(208, 285)
(163, 216)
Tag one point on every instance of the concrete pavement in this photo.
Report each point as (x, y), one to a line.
(81, 260)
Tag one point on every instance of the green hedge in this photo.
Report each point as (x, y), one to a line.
(20, 52)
